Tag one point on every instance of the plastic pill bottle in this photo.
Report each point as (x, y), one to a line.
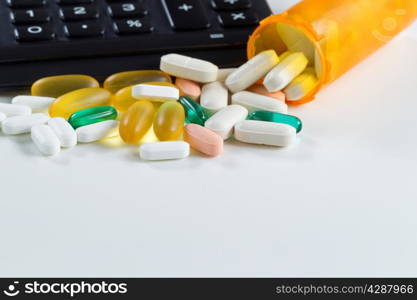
(334, 34)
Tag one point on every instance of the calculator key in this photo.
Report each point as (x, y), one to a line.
(238, 18)
(84, 29)
(127, 9)
(34, 33)
(133, 26)
(77, 13)
(186, 14)
(231, 4)
(74, 2)
(26, 3)
(30, 16)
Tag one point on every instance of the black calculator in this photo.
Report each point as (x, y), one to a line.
(41, 38)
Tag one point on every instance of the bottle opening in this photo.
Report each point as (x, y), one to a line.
(279, 34)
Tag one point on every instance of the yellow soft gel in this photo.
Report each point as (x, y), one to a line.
(121, 80)
(123, 99)
(74, 101)
(169, 121)
(301, 85)
(136, 122)
(56, 86)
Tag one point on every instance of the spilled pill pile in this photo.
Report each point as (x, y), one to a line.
(203, 108)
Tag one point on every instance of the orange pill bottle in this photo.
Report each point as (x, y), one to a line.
(341, 33)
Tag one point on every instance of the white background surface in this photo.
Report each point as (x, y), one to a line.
(342, 202)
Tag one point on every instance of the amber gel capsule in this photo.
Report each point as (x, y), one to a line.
(78, 100)
(195, 113)
(123, 99)
(92, 115)
(268, 116)
(121, 80)
(169, 121)
(56, 86)
(136, 122)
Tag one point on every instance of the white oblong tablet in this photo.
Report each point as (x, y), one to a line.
(156, 92)
(11, 110)
(2, 117)
(23, 124)
(253, 70)
(214, 96)
(164, 150)
(189, 68)
(36, 103)
(224, 120)
(224, 73)
(253, 102)
(45, 139)
(288, 69)
(97, 131)
(64, 131)
(265, 133)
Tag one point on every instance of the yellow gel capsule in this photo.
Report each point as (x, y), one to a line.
(56, 86)
(123, 99)
(136, 122)
(121, 80)
(169, 121)
(78, 100)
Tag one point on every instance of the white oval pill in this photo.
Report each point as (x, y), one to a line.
(45, 139)
(11, 110)
(254, 102)
(36, 103)
(64, 131)
(265, 133)
(189, 68)
(2, 117)
(97, 131)
(164, 150)
(253, 70)
(214, 96)
(224, 73)
(288, 69)
(23, 124)
(224, 120)
(155, 92)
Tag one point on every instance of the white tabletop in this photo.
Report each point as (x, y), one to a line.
(341, 202)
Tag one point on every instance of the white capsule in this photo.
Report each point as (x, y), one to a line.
(155, 92)
(189, 68)
(214, 96)
(36, 103)
(11, 110)
(224, 120)
(97, 131)
(45, 139)
(289, 68)
(254, 102)
(64, 131)
(23, 124)
(224, 73)
(164, 150)
(253, 70)
(265, 133)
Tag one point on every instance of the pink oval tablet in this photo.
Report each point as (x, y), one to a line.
(260, 89)
(188, 88)
(203, 139)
